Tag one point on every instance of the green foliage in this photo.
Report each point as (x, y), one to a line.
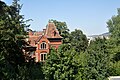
(12, 32)
(114, 43)
(78, 61)
(69, 62)
(74, 39)
(115, 69)
(74, 60)
(61, 65)
(98, 64)
(78, 40)
(114, 29)
(30, 71)
(10, 54)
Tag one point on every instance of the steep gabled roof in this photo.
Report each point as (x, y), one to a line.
(51, 31)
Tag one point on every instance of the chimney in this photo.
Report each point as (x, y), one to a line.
(44, 30)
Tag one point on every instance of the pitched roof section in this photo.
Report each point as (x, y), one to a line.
(32, 40)
(51, 31)
(37, 40)
(34, 36)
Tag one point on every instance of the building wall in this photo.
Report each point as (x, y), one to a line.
(39, 50)
(49, 44)
(49, 37)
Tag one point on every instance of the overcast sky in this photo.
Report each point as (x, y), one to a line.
(88, 15)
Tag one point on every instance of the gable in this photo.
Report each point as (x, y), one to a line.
(43, 38)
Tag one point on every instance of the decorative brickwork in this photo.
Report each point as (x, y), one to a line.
(44, 40)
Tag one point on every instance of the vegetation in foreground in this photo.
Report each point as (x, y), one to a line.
(74, 60)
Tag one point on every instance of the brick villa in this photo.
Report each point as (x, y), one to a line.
(42, 41)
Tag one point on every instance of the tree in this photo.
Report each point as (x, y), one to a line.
(98, 64)
(65, 63)
(11, 54)
(61, 65)
(13, 65)
(114, 29)
(114, 42)
(74, 39)
(78, 40)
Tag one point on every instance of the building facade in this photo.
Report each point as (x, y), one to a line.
(43, 41)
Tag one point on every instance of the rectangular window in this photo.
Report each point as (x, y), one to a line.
(43, 56)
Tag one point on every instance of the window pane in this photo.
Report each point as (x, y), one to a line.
(41, 46)
(45, 46)
(44, 56)
(41, 57)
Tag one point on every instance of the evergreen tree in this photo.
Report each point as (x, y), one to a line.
(13, 65)
(98, 64)
(78, 40)
(61, 65)
(114, 29)
(10, 53)
(114, 42)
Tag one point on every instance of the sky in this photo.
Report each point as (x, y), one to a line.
(90, 16)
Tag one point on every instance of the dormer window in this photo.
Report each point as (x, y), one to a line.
(55, 33)
(43, 45)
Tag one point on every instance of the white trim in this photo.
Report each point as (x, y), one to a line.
(43, 56)
(114, 77)
(44, 46)
(36, 57)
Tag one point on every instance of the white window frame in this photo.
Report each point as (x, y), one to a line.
(44, 45)
(43, 56)
(36, 55)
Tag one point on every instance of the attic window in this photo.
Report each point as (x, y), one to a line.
(55, 33)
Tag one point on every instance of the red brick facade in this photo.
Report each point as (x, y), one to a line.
(43, 40)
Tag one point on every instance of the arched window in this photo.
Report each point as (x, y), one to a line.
(43, 45)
